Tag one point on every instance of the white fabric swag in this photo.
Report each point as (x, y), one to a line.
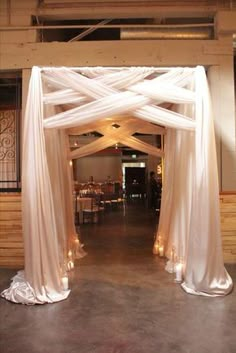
(63, 100)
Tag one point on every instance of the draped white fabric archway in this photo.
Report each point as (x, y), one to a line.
(88, 99)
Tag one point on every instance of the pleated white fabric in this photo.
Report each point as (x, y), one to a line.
(190, 216)
(205, 273)
(91, 98)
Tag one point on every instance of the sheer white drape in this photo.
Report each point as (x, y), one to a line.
(189, 217)
(42, 258)
(205, 273)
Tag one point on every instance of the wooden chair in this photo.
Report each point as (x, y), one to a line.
(106, 201)
(91, 212)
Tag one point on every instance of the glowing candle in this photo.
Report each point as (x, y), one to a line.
(155, 249)
(77, 248)
(65, 283)
(178, 272)
(70, 265)
(161, 250)
(172, 255)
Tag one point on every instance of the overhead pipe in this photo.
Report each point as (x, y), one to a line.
(167, 33)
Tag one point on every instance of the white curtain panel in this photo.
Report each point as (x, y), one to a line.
(189, 219)
(205, 272)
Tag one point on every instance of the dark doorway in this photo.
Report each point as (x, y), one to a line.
(135, 182)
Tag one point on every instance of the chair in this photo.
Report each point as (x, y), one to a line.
(106, 201)
(91, 212)
(75, 210)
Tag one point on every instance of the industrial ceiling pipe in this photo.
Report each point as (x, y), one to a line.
(167, 33)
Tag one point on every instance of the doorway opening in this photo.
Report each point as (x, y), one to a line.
(134, 180)
(132, 172)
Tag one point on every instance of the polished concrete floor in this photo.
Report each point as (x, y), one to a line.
(122, 301)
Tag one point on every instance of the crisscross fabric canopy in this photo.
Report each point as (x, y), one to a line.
(174, 101)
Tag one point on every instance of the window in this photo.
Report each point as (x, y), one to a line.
(10, 112)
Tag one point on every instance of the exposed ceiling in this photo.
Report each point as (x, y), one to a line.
(121, 29)
(131, 8)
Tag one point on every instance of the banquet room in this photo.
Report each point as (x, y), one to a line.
(117, 176)
(108, 179)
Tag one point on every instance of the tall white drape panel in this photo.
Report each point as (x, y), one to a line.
(205, 272)
(88, 99)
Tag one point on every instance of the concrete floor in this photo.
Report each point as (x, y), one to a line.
(122, 301)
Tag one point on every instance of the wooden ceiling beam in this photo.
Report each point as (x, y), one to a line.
(127, 9)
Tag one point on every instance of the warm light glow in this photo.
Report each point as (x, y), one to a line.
(70, 254)
(155, 249)
(65, 283)
(70, 163)
(71, 265)
(172, 255)
(159, 169)
(161, 250)
(178, 272)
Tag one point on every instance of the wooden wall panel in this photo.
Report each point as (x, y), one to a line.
(228, 226)
(11, 240)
